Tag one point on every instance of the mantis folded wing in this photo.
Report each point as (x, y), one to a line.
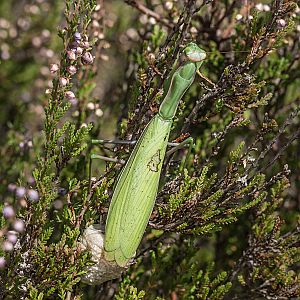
(136, 189)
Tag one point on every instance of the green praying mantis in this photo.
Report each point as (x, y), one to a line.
(137, 185)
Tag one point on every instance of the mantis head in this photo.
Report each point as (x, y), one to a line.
(194, 53)
(192, 58)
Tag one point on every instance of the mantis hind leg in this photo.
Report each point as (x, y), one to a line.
(102, 157)
(190, 142)
(125, 142)
(187, 142)
(175, 146)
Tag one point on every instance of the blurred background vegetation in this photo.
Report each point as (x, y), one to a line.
(225, 228)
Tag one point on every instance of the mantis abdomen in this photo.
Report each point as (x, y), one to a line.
(138, 183)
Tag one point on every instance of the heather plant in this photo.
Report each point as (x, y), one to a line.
(225, 224)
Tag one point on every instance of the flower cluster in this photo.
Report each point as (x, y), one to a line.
(14, 225)
(77, 53)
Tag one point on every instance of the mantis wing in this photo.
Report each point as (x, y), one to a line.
(135, 193)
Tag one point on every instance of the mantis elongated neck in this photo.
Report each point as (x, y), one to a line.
(180, 82)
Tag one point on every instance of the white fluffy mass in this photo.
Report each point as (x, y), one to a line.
(92, 240)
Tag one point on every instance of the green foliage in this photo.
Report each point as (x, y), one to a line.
(275, 254)
(204, 287)
(129, 292)
(190, 278)
(235, 154)
(50, 263)
(225, 228)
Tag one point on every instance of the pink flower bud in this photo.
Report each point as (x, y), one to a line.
(30, 179)
(7, 246)
(33, 195)
(99, 112)
(87, 58)
(95, 24)
(12, 236)
(11, 187)
(91, 106)
(2, 262)
(54, 68)
(169, 5)
(19, 225)
(259, 6)
(238, 17)
(63, 81)
(8, 212)
(20, 192)
(72, 70)
(70, 95)
(281, 22)
(71, 55)
(79, 50)
(77, 36)
(85, 44)
(22, 202)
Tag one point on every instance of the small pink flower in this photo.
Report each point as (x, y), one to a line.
(19, 225)
(54, 68)
(259, 6)
(63, 81)
(33, 195)
(72, 70)
(85, 44)
(71, 55)
(70, 95)
(79, 50)
(20, 192)
(8, 212)
(12, 236)
(87, 58)
(7, 246)
(281, 22)
(77, 36)
(2, 262)
(12, 187)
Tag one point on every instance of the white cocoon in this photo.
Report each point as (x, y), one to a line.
(92, 240)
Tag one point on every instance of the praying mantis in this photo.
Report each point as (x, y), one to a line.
(137, 185)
